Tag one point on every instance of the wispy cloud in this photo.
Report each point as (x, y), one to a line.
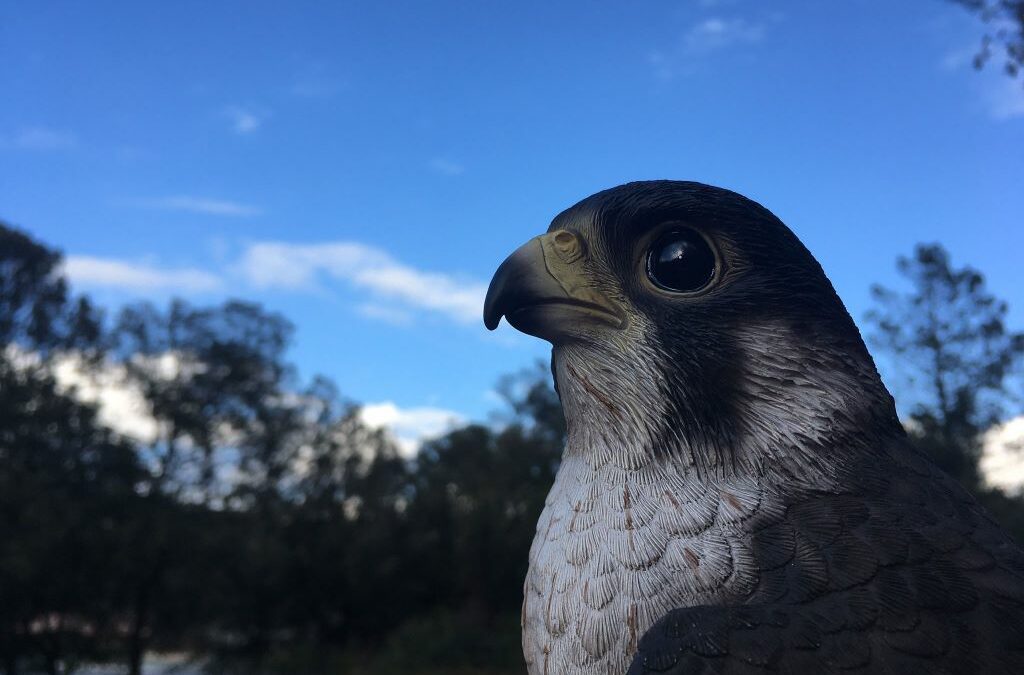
(716, 33)
(386, 290)
(446, 166)
(708, 36)
(39, 139)
(245, 120)
(203, 205)
(410, 427)
(107, 273)
(293, 266)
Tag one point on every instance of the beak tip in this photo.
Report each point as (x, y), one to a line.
(495, 301)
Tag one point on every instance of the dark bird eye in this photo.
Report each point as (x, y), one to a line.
(681, 260)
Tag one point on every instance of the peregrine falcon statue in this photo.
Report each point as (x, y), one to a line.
(736, 493)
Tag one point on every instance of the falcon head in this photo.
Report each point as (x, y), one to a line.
(686, 317)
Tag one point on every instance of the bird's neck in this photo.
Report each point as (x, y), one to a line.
(614, 414)
(785, 412)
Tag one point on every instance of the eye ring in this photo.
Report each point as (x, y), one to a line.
(681, 261)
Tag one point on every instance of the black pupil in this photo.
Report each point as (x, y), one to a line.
(681, 261)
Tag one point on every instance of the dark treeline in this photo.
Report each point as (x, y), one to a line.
(261, 524)
(258, 524)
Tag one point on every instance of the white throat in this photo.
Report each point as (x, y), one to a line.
(625, 536)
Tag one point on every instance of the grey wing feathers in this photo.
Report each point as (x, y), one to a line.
(911, 577)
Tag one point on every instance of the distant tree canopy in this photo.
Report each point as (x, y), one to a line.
(1005, 22)
(66, 483)
(259, 521)
(960, 365)
(36, 311)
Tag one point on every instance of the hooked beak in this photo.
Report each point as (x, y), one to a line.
(542, 290)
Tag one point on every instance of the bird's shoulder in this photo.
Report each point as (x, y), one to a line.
(901, 572)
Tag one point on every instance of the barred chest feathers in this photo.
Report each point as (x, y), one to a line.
(616, 549)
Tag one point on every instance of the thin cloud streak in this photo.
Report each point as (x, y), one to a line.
(92, 272)
(202, 205)
(291, 266)
(393, 292)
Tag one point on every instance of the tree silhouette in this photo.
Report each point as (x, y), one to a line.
(1005, 21)
(66, 483)
(960, 363)
(950, 338)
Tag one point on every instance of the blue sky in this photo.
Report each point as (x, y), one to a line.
(364, 167)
